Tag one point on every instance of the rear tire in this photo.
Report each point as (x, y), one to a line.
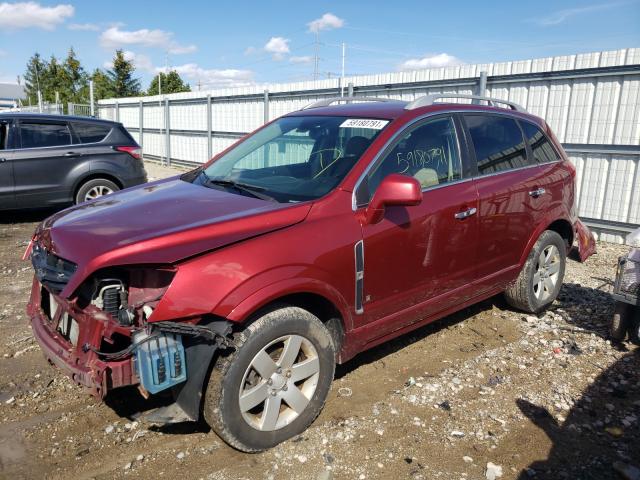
(95, 188)
(620, 322)
(540, 280)
(260, 377)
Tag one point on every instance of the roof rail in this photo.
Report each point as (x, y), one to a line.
(430, 100)
(328, 101)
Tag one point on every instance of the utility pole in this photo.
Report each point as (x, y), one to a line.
(344, 54)
(317, 52)
(39, 91)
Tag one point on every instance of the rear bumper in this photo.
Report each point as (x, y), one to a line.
(585, 239)
(83, 367)
(132, 182)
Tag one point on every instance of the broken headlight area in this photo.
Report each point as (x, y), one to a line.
(52, 271)
(127, 295)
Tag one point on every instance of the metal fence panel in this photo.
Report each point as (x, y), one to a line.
(590, 100)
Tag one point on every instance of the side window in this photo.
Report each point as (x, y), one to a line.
(498, 143)
(35, 134)
(427, 152)
(541, 147)
(90, 132)
(4, 135)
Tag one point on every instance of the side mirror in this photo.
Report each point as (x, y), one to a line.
(395, 189)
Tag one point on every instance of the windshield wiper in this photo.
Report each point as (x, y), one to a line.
(253, 190)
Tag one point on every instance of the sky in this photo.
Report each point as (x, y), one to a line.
(221, 44)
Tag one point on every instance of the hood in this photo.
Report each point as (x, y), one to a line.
(158, 223)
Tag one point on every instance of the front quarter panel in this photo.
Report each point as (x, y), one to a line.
(315, 256)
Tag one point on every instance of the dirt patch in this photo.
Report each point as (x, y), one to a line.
(538, 396)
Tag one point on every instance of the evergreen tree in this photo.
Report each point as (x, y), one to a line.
(121, 77)
(102, 86)
(171, 83)
(54, 81)
(75, 79)
(36, 68)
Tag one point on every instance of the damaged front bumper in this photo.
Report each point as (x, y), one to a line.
(66, 352)
(72, 339)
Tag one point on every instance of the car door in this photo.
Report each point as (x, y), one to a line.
(419, 260)
(42, 162)
(6, 165)
(508, 214)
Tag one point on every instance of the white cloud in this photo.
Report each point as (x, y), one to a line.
(214, 78)
(87, 27)
(304, 59)
(182, 49)
(140, 61)
(31, 14)
(430, 61)
(560, 16)
(251, 50)
(278, 47)
(114, 37)
(328, 21)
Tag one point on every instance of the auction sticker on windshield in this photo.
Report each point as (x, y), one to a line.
(364, 123)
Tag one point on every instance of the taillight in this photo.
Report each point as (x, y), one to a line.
(135, 152)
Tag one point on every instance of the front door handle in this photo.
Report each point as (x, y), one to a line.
(72, 154)
(2, 160)
(536, 193)
(467, 213)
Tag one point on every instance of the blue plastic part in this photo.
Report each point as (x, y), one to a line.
(160, 362)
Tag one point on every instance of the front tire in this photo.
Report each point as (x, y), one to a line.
(275, 383)
(540, 280)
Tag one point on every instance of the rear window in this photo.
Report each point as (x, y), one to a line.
(498, 143)
(91, 132)
(39, 134)
(541, 147)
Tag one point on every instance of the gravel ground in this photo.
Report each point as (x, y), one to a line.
(486, 393)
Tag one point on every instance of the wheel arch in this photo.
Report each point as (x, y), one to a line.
(92, 176)
(562, 226)
(320, 300)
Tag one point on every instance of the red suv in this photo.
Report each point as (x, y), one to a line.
(239, 285)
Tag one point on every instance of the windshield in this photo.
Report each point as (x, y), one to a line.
(294, 158)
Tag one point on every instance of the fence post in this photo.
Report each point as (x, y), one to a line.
(350, 90)
(91, 99)
(70, 108)
(140, 125)
(482, 84)
(167, 132)
(209, 126)
(266, 106)
(117, 111)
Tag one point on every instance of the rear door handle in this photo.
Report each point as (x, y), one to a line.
(2, 160)
(72, 154)
(536, 193)
(467, 213)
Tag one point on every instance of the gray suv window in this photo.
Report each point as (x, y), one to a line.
(90, 132)
(37, 134)
(498, 143)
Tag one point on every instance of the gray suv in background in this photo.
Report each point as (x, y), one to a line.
(51, 160)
